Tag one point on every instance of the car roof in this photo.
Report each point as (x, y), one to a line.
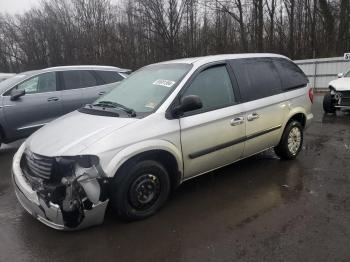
(25, 75)
(75, 67)
(84, 67)
(214, 58)
(6, 74)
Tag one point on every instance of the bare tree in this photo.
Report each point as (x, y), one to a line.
(133, 33)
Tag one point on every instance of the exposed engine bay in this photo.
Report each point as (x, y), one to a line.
(77, 185)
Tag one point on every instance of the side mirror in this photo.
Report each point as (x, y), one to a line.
(188, 103)
(17, 94)
(340, 75)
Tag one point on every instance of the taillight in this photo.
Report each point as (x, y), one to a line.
(311, 95)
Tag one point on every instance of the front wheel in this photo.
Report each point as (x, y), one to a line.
(140, 190)
(291, 141)
(328, 104)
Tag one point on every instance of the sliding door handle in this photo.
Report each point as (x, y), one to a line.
(237, 121)
(253, 116)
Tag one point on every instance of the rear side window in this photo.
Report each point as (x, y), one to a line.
(214, 87)
(78, 79)
(257, 78)
(109, 76)
(291, 75)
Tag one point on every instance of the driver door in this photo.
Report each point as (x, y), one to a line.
(40, 104)
(212, 136)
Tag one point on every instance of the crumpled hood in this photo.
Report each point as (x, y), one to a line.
(72, 133)
(341, 84)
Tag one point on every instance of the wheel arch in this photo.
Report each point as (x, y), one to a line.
(162, 151)
(331, 88)
(298, 116)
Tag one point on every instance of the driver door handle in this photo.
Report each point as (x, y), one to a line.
(253, 116)
(52, 99)
(101, 93)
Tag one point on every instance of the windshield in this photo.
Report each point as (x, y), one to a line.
(147, 88)
(347, 74)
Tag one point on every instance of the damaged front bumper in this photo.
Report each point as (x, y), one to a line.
(341, 99)
(47, 212)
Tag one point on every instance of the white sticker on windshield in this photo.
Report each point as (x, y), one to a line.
(166, 83)
(150, 105)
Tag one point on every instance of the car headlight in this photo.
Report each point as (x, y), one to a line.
(76, 166)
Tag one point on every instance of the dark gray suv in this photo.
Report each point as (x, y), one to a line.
(31, 99)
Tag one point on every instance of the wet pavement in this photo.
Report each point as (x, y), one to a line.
(260, 209)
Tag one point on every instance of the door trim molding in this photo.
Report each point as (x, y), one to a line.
(232, 143)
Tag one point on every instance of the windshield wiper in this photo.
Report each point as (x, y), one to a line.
(111, 104)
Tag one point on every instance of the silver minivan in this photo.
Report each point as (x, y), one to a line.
(165, 124)
(31, 99)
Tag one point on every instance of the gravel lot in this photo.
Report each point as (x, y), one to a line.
(260, 209)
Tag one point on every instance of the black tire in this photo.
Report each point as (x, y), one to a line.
(282, 149)
(124, 187)
(328, 104)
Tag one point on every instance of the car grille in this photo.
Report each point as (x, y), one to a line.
(345, 94)
(37, 165)
(345, 101)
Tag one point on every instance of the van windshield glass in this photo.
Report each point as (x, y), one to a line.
(347, 74)
(147, 88)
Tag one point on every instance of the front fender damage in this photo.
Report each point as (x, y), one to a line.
(75, 196)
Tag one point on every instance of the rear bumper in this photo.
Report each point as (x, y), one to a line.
(48, 213)
(309, 118)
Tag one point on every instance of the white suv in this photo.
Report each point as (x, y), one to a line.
(166, 123)
(339, 94)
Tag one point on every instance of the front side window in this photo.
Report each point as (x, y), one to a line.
(147, 88)
(214, 88)
(39, 84)
(76, 79)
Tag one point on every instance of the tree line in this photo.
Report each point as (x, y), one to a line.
(133, 33)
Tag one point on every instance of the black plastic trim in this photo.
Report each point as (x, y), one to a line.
(231, 143)
(97, 112)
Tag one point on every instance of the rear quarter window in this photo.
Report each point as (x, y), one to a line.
(109, 76)
(291, 75)
(257, 78)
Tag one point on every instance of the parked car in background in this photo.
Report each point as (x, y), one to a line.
(339, 94)
(4, 76)
(166, 123)
(31, 99)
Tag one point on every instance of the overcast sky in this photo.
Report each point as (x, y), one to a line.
(20, 6)
(16, 6)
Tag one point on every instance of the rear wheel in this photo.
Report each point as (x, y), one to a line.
(291, 141)
(140, 190)
(328, 104)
